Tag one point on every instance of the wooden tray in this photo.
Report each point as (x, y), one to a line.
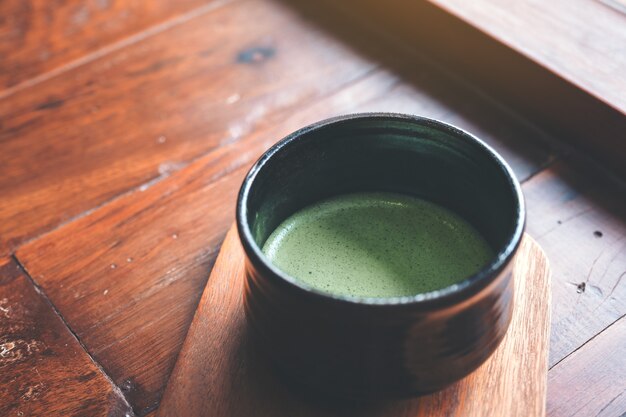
(217, 375)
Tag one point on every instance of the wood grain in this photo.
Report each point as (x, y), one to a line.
(118, 312)
(39, 36)
(142, 112)
(127, 277)
(219, 373)
(43, 368)
(131, 296)
(592, 380)
(506, 74)
(244, 75)
(579, 218)
(232, 71)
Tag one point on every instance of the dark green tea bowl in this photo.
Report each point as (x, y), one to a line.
(378, 348)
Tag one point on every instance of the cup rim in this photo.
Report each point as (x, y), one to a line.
(460, 290)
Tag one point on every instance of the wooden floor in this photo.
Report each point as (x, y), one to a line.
(125, 131)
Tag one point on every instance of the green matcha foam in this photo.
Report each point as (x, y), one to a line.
(377, 245)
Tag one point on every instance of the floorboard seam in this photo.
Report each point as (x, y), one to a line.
(587, 341)
(41, 292)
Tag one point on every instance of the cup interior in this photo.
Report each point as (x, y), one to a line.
(392, 153)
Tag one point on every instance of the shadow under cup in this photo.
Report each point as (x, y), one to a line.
(380, 347)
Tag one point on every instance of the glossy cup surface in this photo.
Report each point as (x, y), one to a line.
(380, 347)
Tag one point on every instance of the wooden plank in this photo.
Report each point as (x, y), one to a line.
(43, 368)
(219, 370)
(37, 37)
(504, 73)
(580, 40)
(579, 218)
(592, 380)
(78, 140)
(118, 312)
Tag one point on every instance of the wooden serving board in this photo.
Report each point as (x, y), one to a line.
(217, 374)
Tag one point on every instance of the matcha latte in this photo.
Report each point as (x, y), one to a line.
(377, 245)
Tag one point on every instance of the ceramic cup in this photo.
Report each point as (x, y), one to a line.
(380, 347)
